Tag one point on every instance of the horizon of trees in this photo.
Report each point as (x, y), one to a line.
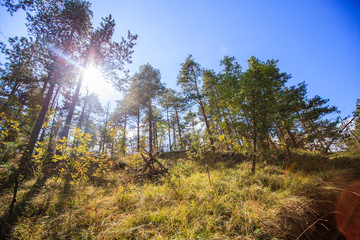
(255, 112)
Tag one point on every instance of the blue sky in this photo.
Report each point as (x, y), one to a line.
(315, 41)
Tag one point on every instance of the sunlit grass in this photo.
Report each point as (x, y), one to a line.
(234, 204)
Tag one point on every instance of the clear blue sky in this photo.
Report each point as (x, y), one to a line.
(315, 41)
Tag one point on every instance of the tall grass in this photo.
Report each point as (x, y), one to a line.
(272, 204)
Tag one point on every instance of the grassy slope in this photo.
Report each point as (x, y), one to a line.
(272, 204)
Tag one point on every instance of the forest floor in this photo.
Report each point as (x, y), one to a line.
(214, 199)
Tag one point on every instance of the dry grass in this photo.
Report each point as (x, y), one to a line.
(272, 204)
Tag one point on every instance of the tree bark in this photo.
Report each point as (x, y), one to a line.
(174, 136)
(51, 136)
(66, 129)
(124, 136)
(25, 159)
(42, 135)
(82, 115)
(255, 156)
(24, 163)
(255, 138)
(105, 130)
(169, 130)
(150, 127)
(138, 129)
(207, 125)
(179, 127)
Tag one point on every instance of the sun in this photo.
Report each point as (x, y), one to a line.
(93, 78)
(94, 82)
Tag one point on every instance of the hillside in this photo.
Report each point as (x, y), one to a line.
(185, 121)
(225, 202)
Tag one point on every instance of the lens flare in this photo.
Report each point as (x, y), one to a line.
(348, 208)
(288, 169)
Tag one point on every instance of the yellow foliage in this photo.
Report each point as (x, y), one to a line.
(7, 125)
(221, 137)
(77, 160)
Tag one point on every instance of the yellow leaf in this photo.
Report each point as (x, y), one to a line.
(221, 137)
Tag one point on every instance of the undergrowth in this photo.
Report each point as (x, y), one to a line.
(232, 204)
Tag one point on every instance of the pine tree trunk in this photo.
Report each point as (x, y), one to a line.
(25, 159)
(169, 130)
(221, 109)
(138, 129)
(155, 136)
(207, 125)
(150, 127)
(42, 136)
(174, 136)
(100, 145)
(255, 156)
(124, 137)
(179, 127)
(24, 164)
(66, 129)
(51, 136)
(14, 89)
(105, 142)
(82, 115)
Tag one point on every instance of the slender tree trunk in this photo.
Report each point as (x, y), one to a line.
(150, 127)
(14, 89)
(207, 125)
(25, 159)
(66, 129)
(179, 127)
(112, 148)
(105, 142)
(100, 145)
(340, 131)
(82, 115)
(282, 137)
(273, 144)
(255, 139)
(86, 121)
(138, 129)
(103, 147)
(169, 130)
(155, 136)
(255, 156)
(124, 137)
(221, 109)
(174, 136)
(24, 164)
(55, 99)
(294, 143)
(44, 86)
(42, 136)
(228, 128)
(231, 118)
(51, 136)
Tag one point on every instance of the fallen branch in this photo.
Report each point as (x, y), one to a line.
(151, 169)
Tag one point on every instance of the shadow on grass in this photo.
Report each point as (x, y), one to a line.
(7, 181)
(22, 207)
(312, 162)
(174, 155)
(305, 161)
(216, 160)
(7, 221)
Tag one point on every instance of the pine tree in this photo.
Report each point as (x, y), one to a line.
(189, 79)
